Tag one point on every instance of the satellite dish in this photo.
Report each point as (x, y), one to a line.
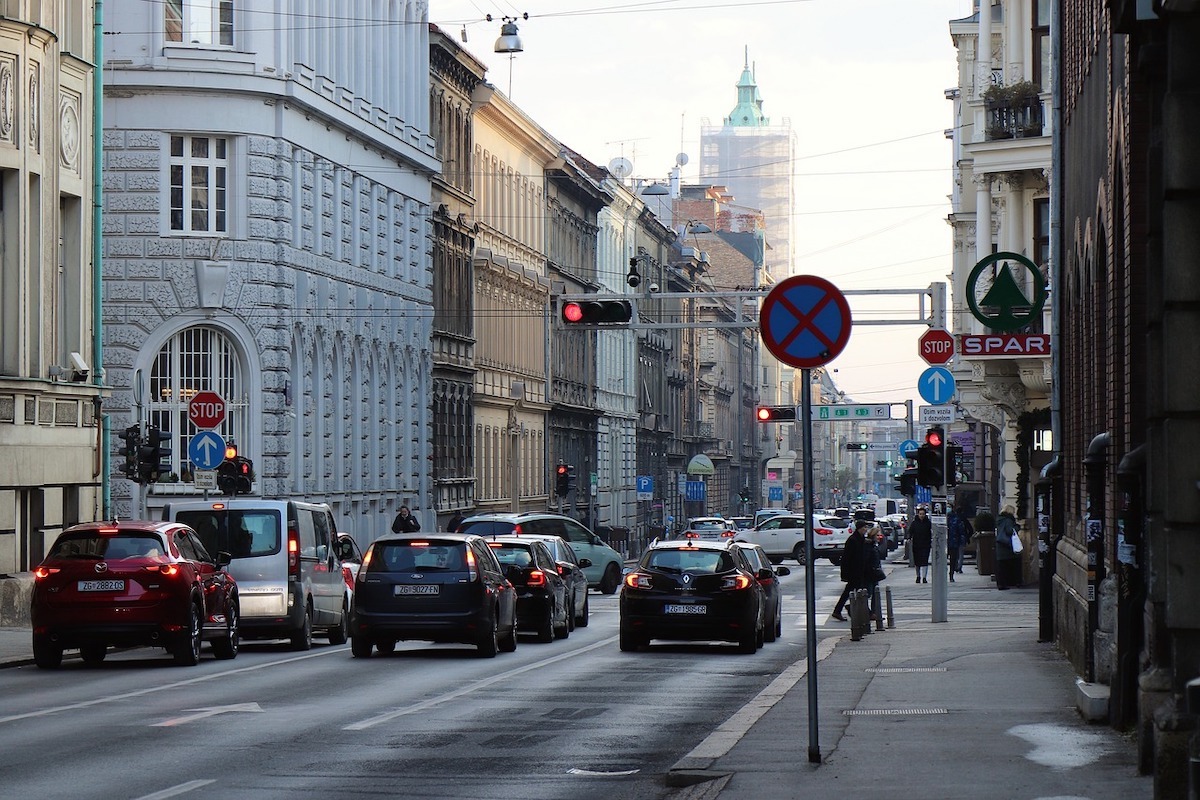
(681, 160)
(621, 167)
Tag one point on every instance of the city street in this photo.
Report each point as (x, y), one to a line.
(576, 718)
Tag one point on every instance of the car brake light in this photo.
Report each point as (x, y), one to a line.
(472, 571)
(366, 559)
(165, 569)
(824, 532)
(637, 580)
(516, 531)
(691, 535)
(727, 534)
(536, 578)
(107, 531)
(293, 552)
(736, 582)
(44, 572)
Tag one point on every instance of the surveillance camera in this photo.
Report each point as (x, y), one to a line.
(654, 288)
(78, 363)
(633, 279)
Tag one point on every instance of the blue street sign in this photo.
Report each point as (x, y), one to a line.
(774, 493)
(936, 385)
(645, 487)
(206, 450)
(908, 448)
(923, 495)
(695, 491)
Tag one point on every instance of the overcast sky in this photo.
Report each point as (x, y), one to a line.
(862, 83)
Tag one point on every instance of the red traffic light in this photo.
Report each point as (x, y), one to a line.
(775, 413)
(572, 312)
(934, 437)
(562, 469)
(597, 312)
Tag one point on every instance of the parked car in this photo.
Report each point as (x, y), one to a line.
(444, 587)
(709, 529)
(132, 583)
(290, 581)
(542, 600)
(571, 568)
(604, 572)
(692, 590)
(768, 578)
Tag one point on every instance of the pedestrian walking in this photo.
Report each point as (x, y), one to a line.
(956, 539)
(456, 520)
(405, 522)
(968, 534)
(853, 566)
(873, 569)
(1008, 560)
(920, 533)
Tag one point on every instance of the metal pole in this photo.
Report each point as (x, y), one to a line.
(810, 586)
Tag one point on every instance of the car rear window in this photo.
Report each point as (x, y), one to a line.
(707, 525)
(709, 561)
(834, 522)
(109, 546)
(515, 554)
(247, 533)
(400, 556)
(486, 527)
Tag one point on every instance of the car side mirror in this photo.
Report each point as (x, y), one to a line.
(584, 563)
(782, 571)
(766, 573)
(224, 558)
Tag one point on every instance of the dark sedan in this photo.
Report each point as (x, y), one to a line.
(692, 590)
(571, 567)
(542, 599)
(768, 578)
(444, 587)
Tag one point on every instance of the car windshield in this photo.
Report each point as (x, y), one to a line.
(486, 527)
(428, 556)
(98, 546)
(704, 561)
(243, 534)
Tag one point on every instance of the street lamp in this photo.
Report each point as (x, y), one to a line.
(509, 42)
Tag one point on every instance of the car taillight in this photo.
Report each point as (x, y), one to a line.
(366, 559)
(736, 582)
(824, 532)
(536, 578)
(293, 552)
(44, 572)
(472, 570)
(691, 535)
(165, 569)
(637, 580)
(727, 534)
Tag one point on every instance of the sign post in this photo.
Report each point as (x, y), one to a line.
(805, 323)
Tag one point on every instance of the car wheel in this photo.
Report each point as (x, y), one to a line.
(386, 646)
(340, 632)
(582, 620)
(360, 647)
(775, 559)
(508, 642)
(489, 644)
(571, 613)
(93, 654)
(46, 654)
(798, 554)
(302, 639)
(227, 646)
(771, 631)
(545, 629)
(630, 642)
(611, 579)
(564, 630)
(779, 623)
(187, 648)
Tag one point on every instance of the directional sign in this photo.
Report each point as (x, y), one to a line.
(206, 450)
(936, 346)
(695, 491)
(775, 493)
(206, 409)
(852, 411)
(908, 446)
(936, 385)
(645, 487)
(923, 494)
(805, 321)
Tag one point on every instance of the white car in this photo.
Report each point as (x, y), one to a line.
(710, 529)
(782, 536)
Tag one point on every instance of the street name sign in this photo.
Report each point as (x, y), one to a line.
(852, 411)
(936, 415)
(936, 346)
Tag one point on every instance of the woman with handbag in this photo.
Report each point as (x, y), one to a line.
(1008, 559)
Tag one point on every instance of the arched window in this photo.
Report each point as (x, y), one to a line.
(197, 359)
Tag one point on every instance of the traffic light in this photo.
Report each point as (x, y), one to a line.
(235, 475)
(227, 476)
(245, 474)
(744, 494)
(570, 478)
(856, 445)
(775, 413)
(152, 452)
(560, 481)
(906, 482)
(954, 463)
(931, 459)
(578, 313)
(132, 437)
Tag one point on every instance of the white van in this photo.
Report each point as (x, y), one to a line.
(289, 579)
(887, 507)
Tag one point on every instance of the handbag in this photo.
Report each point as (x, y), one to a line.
(880, 574)
(1016, 544)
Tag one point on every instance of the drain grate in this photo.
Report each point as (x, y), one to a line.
(881, 670)
(891, 712)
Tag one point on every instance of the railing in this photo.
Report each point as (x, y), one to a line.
(1015, 119)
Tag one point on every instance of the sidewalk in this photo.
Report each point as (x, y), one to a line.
(972, 707)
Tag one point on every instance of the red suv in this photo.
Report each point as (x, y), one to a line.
(132, 583)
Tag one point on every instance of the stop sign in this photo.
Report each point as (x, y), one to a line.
(206, 409)
(936, 346)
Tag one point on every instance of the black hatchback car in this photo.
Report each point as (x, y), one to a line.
(543, 605)
(443, 587)
(692, 590)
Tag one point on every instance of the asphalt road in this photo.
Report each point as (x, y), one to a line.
(576, 718)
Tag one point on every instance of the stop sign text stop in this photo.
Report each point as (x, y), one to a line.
(206, 409)
(936, 346)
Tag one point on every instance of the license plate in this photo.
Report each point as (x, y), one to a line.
(685, 609)
(422, 589)
(102, 586)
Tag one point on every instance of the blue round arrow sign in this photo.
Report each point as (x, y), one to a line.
(805, 321)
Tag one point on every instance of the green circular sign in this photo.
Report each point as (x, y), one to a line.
(997, 299)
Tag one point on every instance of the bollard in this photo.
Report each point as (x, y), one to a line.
(1191, 695)
(860, 614)
(878, 615)
(891, 623)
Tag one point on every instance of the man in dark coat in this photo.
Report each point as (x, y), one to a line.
(853, 566)
(920, 533)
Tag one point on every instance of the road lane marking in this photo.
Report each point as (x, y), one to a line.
(45, 712)
(371, 722)
(205, 713)
(175, 791)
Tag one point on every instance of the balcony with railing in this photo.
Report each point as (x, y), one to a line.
(1015, 111)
